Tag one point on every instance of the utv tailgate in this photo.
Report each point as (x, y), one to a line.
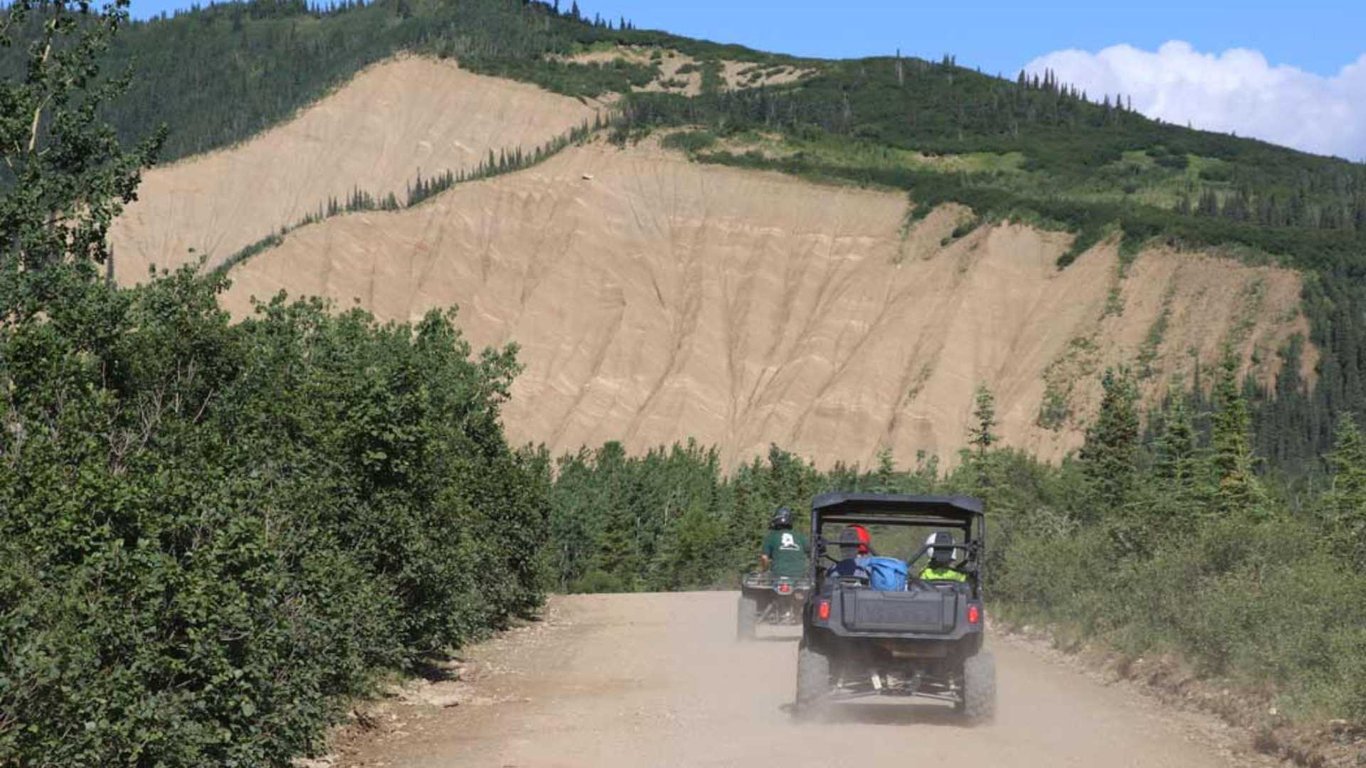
(928, 611)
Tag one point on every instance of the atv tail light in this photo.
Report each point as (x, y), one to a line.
(784, 588)
(823, 610)
(974, 614)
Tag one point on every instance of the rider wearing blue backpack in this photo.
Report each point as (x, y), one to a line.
(859, 560)
(886, 574)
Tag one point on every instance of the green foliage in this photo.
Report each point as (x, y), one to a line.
(1177, 458)
(1109, 456)
(1345, 503)
(65, 176)
(690, 141)
(214, 531)
(222, 73)
(982, 432)
(212, 534)
(1055, 409)
(1237, 492)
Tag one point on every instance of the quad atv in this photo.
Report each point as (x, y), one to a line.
(923, 639)
(769, 599)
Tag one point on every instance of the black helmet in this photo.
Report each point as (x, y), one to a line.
(941, 548)
(781, 520)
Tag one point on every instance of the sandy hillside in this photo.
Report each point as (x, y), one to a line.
(376, 133)
(661, 299)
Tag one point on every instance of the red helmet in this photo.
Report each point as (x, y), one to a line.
(856, 534)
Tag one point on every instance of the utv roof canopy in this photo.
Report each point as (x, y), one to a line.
(873, 508)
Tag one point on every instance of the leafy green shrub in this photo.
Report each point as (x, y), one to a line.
(690, 141)
(213, 532)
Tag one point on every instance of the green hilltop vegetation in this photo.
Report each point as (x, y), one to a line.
(223, 73)
(215, 535)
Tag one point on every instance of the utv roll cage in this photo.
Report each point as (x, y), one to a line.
(961, 514)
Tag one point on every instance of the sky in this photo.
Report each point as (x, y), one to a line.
(1289, 71)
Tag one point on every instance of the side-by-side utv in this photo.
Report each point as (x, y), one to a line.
(913, 636)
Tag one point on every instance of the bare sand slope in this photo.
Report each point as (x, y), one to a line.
(376, 133)
(658, 680)
(660, 300)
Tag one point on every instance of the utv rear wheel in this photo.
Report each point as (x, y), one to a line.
(813, 681)
(746, 612)
(979, 688)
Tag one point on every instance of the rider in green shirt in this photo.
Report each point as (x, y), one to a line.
(941, 560)
(784, 551)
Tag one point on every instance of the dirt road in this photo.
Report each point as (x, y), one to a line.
(658, 680)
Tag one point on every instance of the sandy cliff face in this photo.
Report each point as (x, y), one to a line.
(375, 134)
(655, 299)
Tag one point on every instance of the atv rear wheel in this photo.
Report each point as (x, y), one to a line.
(813, 681)
(979, 688)
(746, 613)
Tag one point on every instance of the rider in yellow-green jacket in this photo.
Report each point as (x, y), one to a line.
(941, 560)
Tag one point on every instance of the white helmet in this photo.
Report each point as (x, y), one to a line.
(941, 548)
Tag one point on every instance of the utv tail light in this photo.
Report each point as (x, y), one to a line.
(823, 610)
(974, 614)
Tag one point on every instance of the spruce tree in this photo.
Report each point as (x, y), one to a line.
(982, 433)
(1110, 455)
(1236, 490)
(1345, 504)
(1177, 462)
(885, 476)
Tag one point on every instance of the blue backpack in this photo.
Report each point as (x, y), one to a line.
(886, 574)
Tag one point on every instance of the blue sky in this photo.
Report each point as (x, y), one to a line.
(1293, 72)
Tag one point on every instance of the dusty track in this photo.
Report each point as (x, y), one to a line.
(658, 680)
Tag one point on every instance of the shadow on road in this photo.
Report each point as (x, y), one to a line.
(437, 667)
(859, 713)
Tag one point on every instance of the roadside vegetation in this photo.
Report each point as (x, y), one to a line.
(213, 534)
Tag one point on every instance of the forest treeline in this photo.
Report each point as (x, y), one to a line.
(221, 73)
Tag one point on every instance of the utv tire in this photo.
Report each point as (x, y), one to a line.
(813, 682)
(979, 688)
(746, 613)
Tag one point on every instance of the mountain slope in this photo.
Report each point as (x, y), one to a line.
(394, 121)
(1031, 150)
(656, 299)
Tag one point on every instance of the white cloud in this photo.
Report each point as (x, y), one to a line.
(1235, 91)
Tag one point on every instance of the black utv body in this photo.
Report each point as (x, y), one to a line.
(922, 640)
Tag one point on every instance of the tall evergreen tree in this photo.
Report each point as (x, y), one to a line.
(1345, 503)
(1110, 454)
(1236, 489)
(1177, 447)
(982, 432)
